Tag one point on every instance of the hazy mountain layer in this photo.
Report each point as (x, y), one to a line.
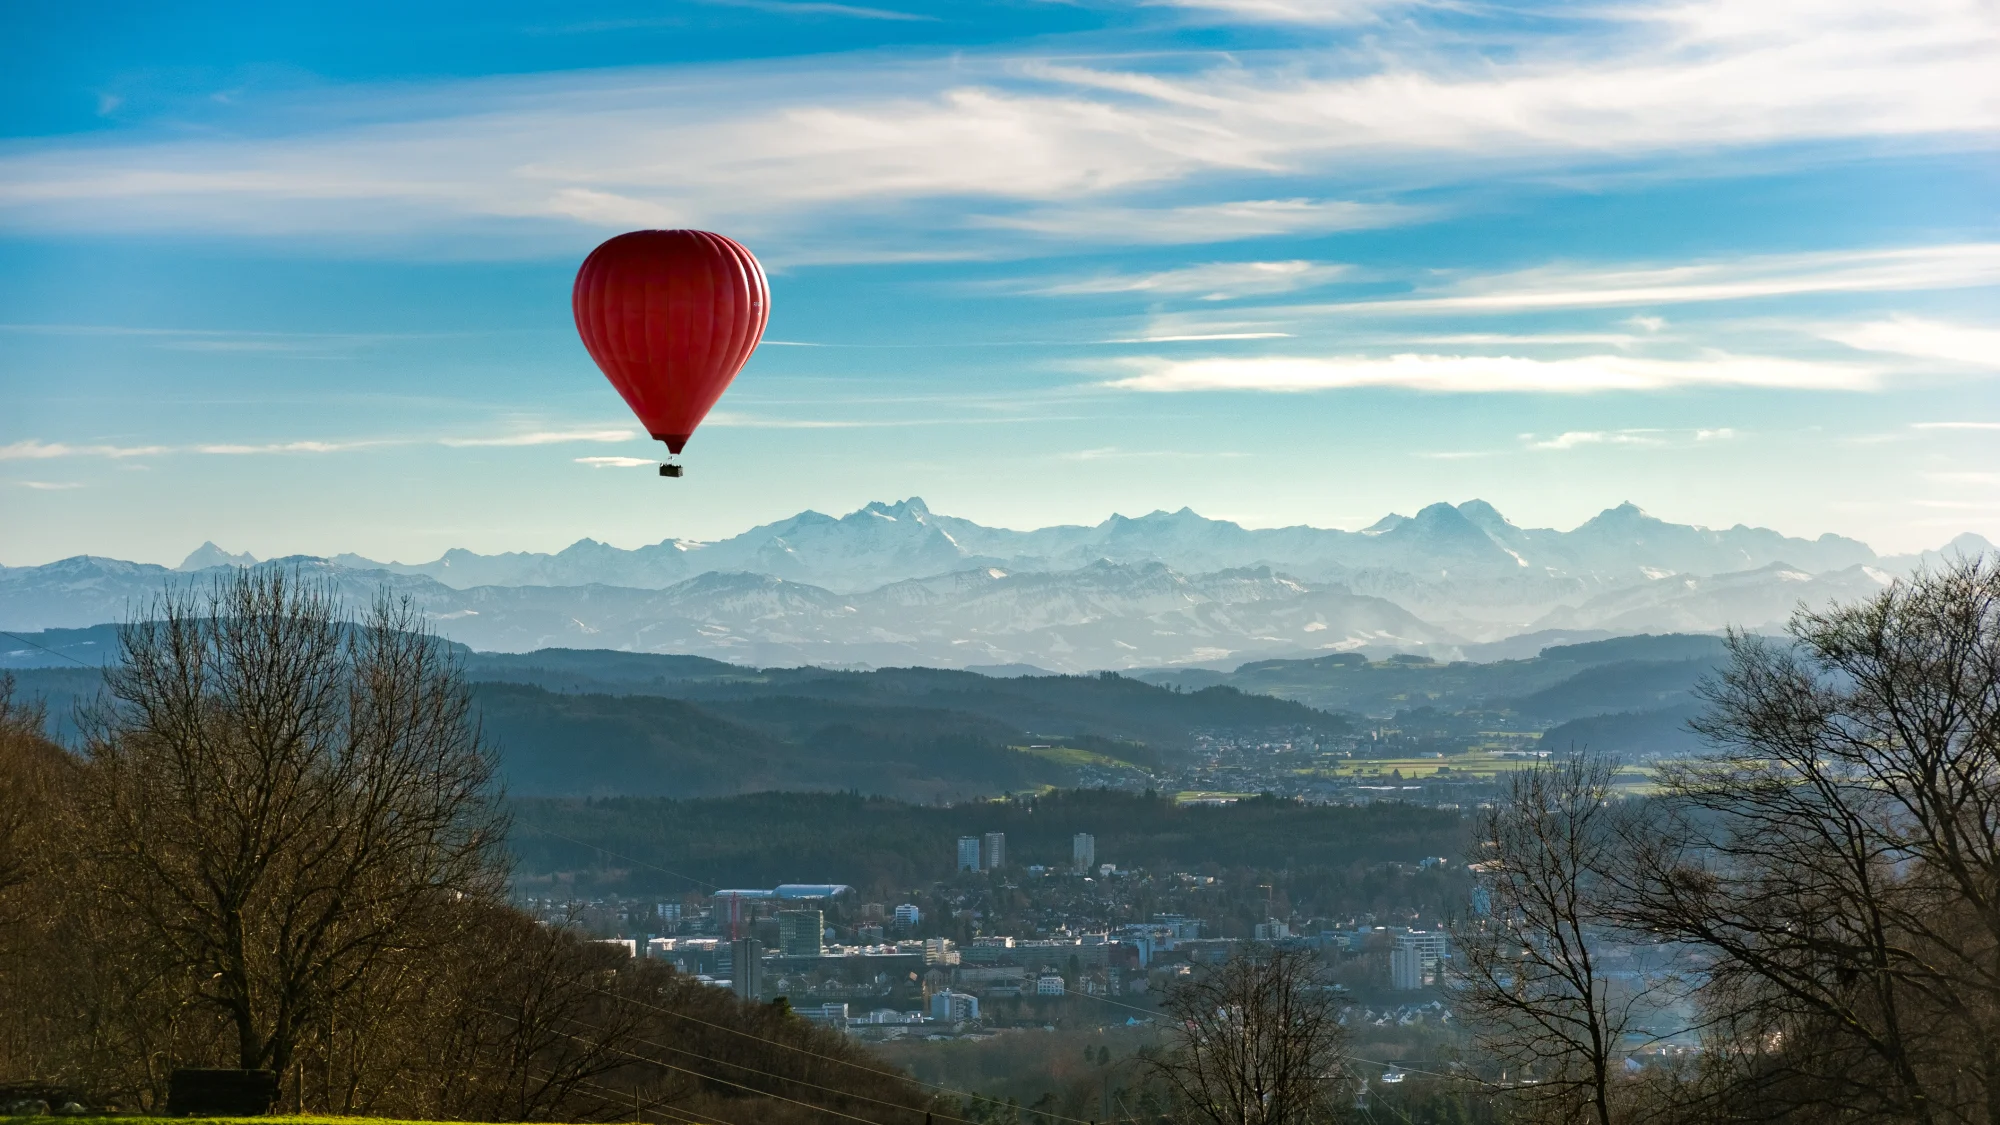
(1105, 615)
(884, 543)
(900, 585)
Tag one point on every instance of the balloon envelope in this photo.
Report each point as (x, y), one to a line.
(670, 316)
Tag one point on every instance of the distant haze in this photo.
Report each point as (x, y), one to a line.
(895, 584)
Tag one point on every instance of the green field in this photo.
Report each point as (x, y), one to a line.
(1482, 765)
(1477, 766)
(1072, 756)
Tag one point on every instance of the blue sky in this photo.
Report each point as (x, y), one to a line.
(297, 281)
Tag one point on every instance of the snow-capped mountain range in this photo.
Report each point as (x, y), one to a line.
(900, 584)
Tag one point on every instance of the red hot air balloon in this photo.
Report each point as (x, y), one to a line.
(670, 316)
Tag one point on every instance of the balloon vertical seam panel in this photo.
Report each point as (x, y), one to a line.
(671, 318)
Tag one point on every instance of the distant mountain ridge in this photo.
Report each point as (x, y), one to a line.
(882, 543)
(896, 584)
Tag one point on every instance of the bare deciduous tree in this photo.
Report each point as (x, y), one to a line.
(1256, 1041)
(1842, 861)
(28, 761)
(285, 799)
(1532, 984)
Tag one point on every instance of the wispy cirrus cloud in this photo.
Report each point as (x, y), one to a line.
(1322, 12)
(1650, 436)
(616, 462)
(1928, 339)
(1898, 269)
(1205, 222)
(548, 437)
(34, 449)
(1463, 374)
(1212, 281)
(1039, 145)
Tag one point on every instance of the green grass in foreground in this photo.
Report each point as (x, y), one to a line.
(273, 1119)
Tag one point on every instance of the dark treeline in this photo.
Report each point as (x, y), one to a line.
(277, 846)
(877, 844)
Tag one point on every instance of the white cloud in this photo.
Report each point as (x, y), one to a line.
(548, 437)
(288, 447)
(49, 485)
(1929, 339)
(33, 450)
(1208, 222)
(1954, 266)
(1460, 374)
(771, 150)
(1331, 12)
(1573, 438)
(1201, 336)
(1214, 281)
(815, 8)
(1955, 425)
(616, 462)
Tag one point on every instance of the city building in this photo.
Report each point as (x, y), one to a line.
(987, 951)
(1083, 851)
(668, 911)
(801, 933)
(996, 850)
(829, 1014)
(630, 946)
(1413, 963)
(907, 916)
(968, 853)
(1049, 985)
(1272, 930)
(746, 968)
(953, 1007)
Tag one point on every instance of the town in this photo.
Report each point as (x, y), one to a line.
(994, 946)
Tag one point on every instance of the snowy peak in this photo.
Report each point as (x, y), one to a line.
(208, 554)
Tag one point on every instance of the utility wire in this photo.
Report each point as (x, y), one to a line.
(707, 1077)
(813, 1054)
(47, 649)
(803, 1082)
(614, 1097)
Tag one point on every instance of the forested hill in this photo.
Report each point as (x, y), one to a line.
(875, 844)
(918, 734)
(1106, 704)
(600, 723)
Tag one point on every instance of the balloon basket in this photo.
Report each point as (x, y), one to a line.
(670, 470)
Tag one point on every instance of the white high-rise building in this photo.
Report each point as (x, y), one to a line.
(996, 850)
(907, 915)
(1083, 851)
(968, 853)
(1413, 963)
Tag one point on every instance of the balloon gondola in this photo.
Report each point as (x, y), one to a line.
(670, 317)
